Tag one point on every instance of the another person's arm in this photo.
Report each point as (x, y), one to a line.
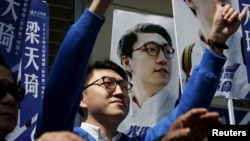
(198, 92)
(66, 79)
(204, 80)
(225, 23)
(192, 126)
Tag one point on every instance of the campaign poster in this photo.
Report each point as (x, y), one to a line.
(151, 62)
(193, 21)
(33, 70)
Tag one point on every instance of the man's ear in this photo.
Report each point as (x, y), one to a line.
(83, 102)
(126, 63)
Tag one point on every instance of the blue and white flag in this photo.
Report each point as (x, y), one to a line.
(192, 28)
(245, 26)
(13, 19)
(33, 70)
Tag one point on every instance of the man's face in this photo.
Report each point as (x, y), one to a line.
(101, 101)
(8, 104)
(147, 69)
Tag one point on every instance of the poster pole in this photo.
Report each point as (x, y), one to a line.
(231, 110)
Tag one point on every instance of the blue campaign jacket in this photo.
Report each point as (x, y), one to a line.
(66, 79)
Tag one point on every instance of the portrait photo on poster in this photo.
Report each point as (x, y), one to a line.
(145, 46)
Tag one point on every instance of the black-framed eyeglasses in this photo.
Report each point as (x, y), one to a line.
(110, 84)
(153, 49)
(15, 90)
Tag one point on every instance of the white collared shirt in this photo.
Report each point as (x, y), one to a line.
(97, 133)
(151, 111)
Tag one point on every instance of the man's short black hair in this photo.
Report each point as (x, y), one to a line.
(4, 64)
(2, 61)
(106, 64)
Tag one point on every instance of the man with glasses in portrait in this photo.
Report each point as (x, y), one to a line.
(146, 53)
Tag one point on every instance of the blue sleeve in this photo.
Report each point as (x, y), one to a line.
(65, 83)
(198, 92)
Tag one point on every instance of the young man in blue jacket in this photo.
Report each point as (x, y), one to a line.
(68, 78)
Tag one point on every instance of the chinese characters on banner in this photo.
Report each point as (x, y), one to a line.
(33, 70)
(13, 19)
